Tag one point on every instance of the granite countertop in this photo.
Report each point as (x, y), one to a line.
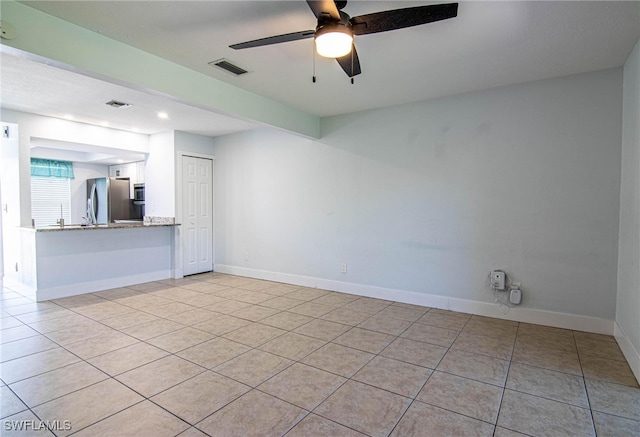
(99, 227)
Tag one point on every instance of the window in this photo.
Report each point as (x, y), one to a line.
(50, 191)
(48, 196)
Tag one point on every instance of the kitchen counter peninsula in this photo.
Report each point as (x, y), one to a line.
(66, 261)
(74, 227)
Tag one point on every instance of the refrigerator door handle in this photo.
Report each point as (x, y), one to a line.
(93, 202)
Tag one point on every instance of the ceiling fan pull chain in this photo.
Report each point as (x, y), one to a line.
(353, 49)
(314, 61)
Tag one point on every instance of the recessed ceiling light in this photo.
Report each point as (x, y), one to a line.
(163, 115)
(120, 161)
(104, 124)
(68, 117)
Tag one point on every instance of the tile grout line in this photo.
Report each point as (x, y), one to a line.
(430, 375)
(298, 361)
(506, 378)
(584, 384)
(292, 330)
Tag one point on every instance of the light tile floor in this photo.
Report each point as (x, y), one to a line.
(224, 355)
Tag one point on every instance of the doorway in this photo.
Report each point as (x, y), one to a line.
(197, 214)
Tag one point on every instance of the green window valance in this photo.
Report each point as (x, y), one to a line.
(51, 168)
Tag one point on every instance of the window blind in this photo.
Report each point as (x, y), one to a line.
(47, 194)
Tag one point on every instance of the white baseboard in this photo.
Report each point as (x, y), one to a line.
(177, 274)
(101, 285)
(629, 351)
(19, 287)
(519, 314)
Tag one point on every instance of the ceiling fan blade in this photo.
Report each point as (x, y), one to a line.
(401, 18)
(295, 36)
(324, 6)
(350, 65)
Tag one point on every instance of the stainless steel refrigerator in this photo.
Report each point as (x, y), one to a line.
(108, 200)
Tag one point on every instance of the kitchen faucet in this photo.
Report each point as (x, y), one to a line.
(60, 221)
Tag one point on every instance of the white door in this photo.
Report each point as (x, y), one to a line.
(197, 215)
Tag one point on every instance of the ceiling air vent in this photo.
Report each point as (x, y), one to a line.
(227, 66)
(117, 104)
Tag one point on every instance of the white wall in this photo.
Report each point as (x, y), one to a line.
(186, 142)
(429, 197)
(160, 176)
(82, 172)
(1, 240)
(10, 206)
(628, 299)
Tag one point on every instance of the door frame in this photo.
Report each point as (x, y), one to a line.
(179, 249)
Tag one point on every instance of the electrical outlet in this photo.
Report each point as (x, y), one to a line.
(343, 268)
(497, 279)
(246, 256)
(7, 31)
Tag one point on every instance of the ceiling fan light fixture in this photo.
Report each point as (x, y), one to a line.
(333, 40)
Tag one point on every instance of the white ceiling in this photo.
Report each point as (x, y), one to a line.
(47, 148)
(30, 86)
(489, 44)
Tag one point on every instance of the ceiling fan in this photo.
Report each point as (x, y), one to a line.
(334, 34)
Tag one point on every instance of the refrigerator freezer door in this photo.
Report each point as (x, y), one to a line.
(91, 210)
(97, 199)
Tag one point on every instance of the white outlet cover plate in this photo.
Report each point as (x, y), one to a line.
(515, 296)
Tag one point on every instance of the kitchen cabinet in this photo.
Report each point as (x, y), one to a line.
(140, 167)
(132, 170)
(128, 170)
